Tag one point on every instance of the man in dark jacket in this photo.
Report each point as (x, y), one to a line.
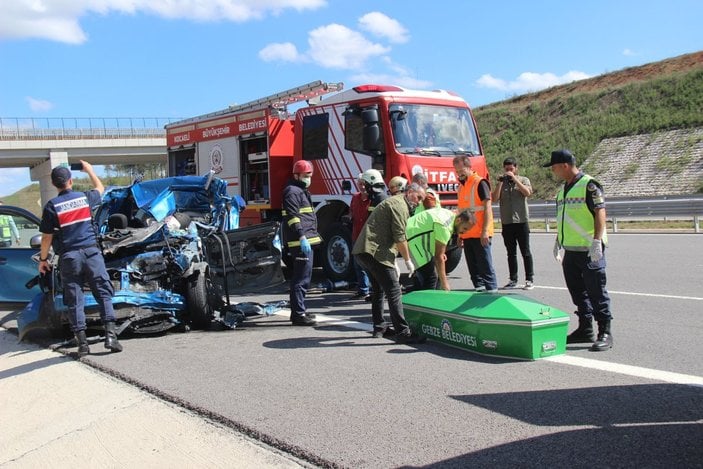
(300, 235)
(67, 225)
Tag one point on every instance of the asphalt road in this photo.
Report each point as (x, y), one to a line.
(335, 396)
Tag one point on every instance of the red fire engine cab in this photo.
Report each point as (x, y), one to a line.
(395, 130)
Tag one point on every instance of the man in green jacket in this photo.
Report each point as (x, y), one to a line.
(380, 241)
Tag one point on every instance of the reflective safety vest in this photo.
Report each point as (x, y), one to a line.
(575, 221)
(467, 197)
(5, 232)
(424, 229)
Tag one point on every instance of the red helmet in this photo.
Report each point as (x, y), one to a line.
(302, 166)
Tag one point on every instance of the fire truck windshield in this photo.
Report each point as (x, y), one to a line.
(433, 130)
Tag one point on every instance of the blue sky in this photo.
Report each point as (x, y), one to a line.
(180, 58)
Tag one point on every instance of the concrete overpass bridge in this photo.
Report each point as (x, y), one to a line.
(40, 144)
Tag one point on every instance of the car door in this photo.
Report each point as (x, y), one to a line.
(16, 264)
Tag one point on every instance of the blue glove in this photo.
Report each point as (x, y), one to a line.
(305, 247)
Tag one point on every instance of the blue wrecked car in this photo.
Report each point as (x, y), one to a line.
(175, 254)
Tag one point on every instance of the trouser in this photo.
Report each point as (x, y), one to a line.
(80, 266)
(362, 278)
(480, 263)
(585, 280)
(384, 282)
(300, 280)
(426, 277)
(515, 234)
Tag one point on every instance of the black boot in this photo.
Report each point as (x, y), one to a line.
(582, 334)
(605, 339)
(111, 342)
(302, 320)
(82, 342)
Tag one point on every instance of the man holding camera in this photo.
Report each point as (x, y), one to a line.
(512, 192)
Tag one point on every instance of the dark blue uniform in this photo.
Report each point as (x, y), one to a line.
(299, 220)
(68, 218)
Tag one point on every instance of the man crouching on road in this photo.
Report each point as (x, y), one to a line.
(67, 225)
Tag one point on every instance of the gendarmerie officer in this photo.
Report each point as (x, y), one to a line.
(581, 234)
(67, 225)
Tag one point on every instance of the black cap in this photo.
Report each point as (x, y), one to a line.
(560, 156)
(510, 160)
(60, 175)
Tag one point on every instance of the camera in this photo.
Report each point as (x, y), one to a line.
(504, 178)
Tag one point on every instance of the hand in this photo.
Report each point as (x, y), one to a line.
(596, 250)
(557, 251)
(305, 247)
(44, 267)
(17, 241)
(410, 266)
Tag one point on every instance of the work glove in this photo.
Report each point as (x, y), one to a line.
(410, 266)
(558, 255)
(305, 247)
(596, 250)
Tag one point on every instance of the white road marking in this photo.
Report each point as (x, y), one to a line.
(655, 295)
(638, 371)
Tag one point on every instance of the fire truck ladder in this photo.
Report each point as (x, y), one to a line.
(277, 101)
(280, 100)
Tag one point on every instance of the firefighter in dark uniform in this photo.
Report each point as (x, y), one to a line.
(582, 236)
(67, 225)
(300, 235)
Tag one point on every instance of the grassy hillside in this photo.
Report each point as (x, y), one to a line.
(29, 197)
(664, 95)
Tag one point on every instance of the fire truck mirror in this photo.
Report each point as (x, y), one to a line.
(369, 116)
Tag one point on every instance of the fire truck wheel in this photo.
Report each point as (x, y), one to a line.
(335, 255)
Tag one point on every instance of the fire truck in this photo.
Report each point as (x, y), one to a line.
(398, 131)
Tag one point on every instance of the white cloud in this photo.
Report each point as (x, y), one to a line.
(530, 81)
(39, 105)
(628, 52)
(58, 20)
(285, 51)
(381, 25)
(336, 46)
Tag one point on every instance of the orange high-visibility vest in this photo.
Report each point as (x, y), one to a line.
(468, 198)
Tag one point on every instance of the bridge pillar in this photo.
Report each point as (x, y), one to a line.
(42, 173)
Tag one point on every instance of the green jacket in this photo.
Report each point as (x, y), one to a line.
(424, 229)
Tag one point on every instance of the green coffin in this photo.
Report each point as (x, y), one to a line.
(505, 325)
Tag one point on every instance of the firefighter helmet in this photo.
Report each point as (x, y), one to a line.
(372, 177)
(302, 166)
(397, 184)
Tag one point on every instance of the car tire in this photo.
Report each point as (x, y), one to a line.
(335, 253)
(197, 300)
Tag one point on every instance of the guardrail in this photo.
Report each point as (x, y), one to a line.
(623, 209)
(76, 128)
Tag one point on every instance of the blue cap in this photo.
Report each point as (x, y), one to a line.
(60, 175)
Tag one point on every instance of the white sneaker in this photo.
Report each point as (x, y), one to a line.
(528, 285)
(480, 289)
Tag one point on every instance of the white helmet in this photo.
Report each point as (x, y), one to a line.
(372, 177)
